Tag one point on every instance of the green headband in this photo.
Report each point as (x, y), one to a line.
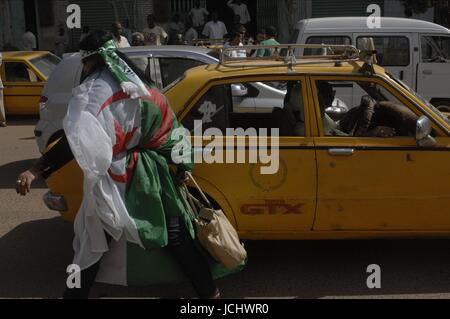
(130, 83)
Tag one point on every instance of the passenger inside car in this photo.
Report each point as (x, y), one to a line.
(326, 95)
(379, 114)
(291, 119)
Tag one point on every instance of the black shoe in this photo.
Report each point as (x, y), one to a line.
(217, 295)
(3, 124)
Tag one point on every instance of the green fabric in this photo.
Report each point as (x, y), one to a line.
(267, 52)
(127, 78)
(151, 193)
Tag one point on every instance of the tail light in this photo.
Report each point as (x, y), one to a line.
(43, 102)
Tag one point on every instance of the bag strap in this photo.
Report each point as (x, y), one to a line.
(186, 198)
(200, 190)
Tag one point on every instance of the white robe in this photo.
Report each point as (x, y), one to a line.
(92, 134)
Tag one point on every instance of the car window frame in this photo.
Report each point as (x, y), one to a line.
(389, 36)
(392, 88)
(40, 81)
(252, 79)
(200, 63)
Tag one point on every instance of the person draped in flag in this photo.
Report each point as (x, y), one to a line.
(119, 128)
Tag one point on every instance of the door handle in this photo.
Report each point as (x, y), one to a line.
(341, 151)
(428, 72)
(402, 75)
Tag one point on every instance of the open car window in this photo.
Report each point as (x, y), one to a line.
(368, 109)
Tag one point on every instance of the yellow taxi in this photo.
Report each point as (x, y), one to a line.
(24, 75)
(320, 147)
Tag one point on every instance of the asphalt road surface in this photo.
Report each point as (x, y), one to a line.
(35, 249)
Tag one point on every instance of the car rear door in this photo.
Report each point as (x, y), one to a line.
(279, 202)
(22, 88)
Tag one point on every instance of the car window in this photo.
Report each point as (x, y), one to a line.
(391, 50)
(19, 72)
(46, 64)
(336, 40)
(373, 111)
(435, 49)
(262, 106)
(173, 68)
(211, 111)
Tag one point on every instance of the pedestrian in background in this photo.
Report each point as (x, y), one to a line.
(271, 34)
(191, 34)
(2, 106)
(176, 30)
(235, 41)
(84, 33)
(198, 16)
(137, 39)
(29, 42)
(154, 34)
(215, 29)
(120, 40)
(61, 42)
(240, 9)
(126, 31)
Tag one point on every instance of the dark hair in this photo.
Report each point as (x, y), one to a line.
(325, 88)
(233, 34)
(271, 31)
(95, 39)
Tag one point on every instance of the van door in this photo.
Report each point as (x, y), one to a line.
(394, 53)
(433, 70)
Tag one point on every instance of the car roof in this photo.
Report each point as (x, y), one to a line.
(202, 54)
(359, 24)
(197, 77)
(174, 48)
(23, 55)
(217, 70)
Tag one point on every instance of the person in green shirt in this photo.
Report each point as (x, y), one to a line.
(271, 34)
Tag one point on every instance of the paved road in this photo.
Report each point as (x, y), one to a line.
(35, 248)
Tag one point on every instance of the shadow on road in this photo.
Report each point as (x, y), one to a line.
(34, 257)
(9, 173)
(22, 120)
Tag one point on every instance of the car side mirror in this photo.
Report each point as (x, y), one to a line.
(423, 133)
(239, 90)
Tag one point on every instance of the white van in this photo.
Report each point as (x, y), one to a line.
(416, 52)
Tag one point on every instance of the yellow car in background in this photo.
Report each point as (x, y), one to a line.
(336, 176)
(24, 75)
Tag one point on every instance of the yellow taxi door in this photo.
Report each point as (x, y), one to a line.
(381, 184)
(283, 199)
(23, 88)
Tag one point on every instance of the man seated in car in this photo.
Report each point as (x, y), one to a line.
(371, 118)
(326, 96)
(291, 119)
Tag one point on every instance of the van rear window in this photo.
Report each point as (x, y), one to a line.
(391, 50)
(336, 40)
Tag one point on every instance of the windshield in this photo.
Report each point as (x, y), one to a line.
(46, 64)
(421, 98)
